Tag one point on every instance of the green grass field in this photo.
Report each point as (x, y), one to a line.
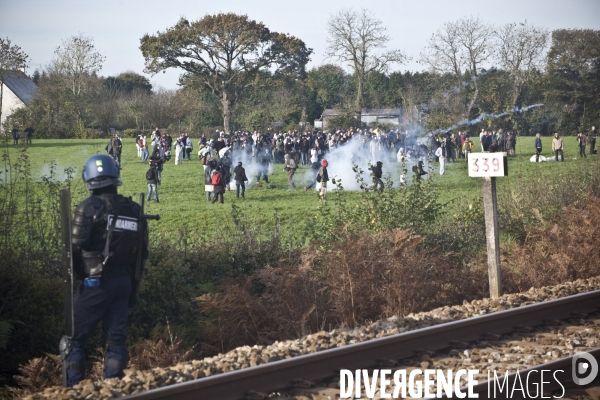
(185, 211)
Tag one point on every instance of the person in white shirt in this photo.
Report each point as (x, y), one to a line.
(481, 135)
(179, 150)
(440, 153)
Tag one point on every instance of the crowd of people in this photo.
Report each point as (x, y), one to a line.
(226, 157)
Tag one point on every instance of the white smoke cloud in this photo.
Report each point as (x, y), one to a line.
(342, 159)
(477, 120)
(249, 165)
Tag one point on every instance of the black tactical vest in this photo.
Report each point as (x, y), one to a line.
(124, 239)
(125, 236)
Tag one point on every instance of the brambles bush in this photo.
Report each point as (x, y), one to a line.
(461, 237)
(363, 278)
(42, 372)
(416, 207)
(37, 374)
(538, 200)
(159, 354)
(564, 249)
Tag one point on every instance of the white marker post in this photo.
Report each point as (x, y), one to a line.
(488, 166)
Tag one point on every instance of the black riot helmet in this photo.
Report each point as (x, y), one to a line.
(100, 171)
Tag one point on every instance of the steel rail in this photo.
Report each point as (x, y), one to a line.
(278, 375)
(558, 371)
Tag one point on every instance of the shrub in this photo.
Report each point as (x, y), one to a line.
(37, 374)
(564, 250)
(362, 278)
(89, 133)
(416, 207)
(29, 262)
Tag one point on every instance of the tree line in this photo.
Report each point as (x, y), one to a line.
(238, 74)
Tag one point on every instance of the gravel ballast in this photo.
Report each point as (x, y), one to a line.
(136, 381)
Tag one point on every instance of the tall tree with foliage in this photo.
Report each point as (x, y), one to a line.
(357, 38)
(11, 58)
(223, 53)
(128, 82)
(574, 77)
(330, 84)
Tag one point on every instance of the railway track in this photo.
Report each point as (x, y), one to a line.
(509, 359)
(279, 378)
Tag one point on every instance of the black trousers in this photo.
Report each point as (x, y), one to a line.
(217, 196)
(562, 156)
(108, 303)
(378, 182)
(238, 185)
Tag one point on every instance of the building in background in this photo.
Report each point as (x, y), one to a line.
(378, 116)
(17, 91)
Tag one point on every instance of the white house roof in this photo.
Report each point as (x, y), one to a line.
(21, 85)
(380, 112)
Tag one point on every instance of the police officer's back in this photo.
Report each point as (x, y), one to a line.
(105, 242)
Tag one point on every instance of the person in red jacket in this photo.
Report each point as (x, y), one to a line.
(218, 185)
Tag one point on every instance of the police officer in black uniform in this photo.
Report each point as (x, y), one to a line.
(105, 240)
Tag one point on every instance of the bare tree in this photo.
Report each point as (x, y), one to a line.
(520, 49)
(11, 58)
(357, 38)
(165, 107)
(76, 59)
(464, 45)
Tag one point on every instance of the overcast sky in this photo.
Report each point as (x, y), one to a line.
(116, 26)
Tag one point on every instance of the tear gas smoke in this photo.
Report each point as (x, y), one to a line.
(477, 120)
(361, 153)
(356, 152)
(252, 168)
(342, 159)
